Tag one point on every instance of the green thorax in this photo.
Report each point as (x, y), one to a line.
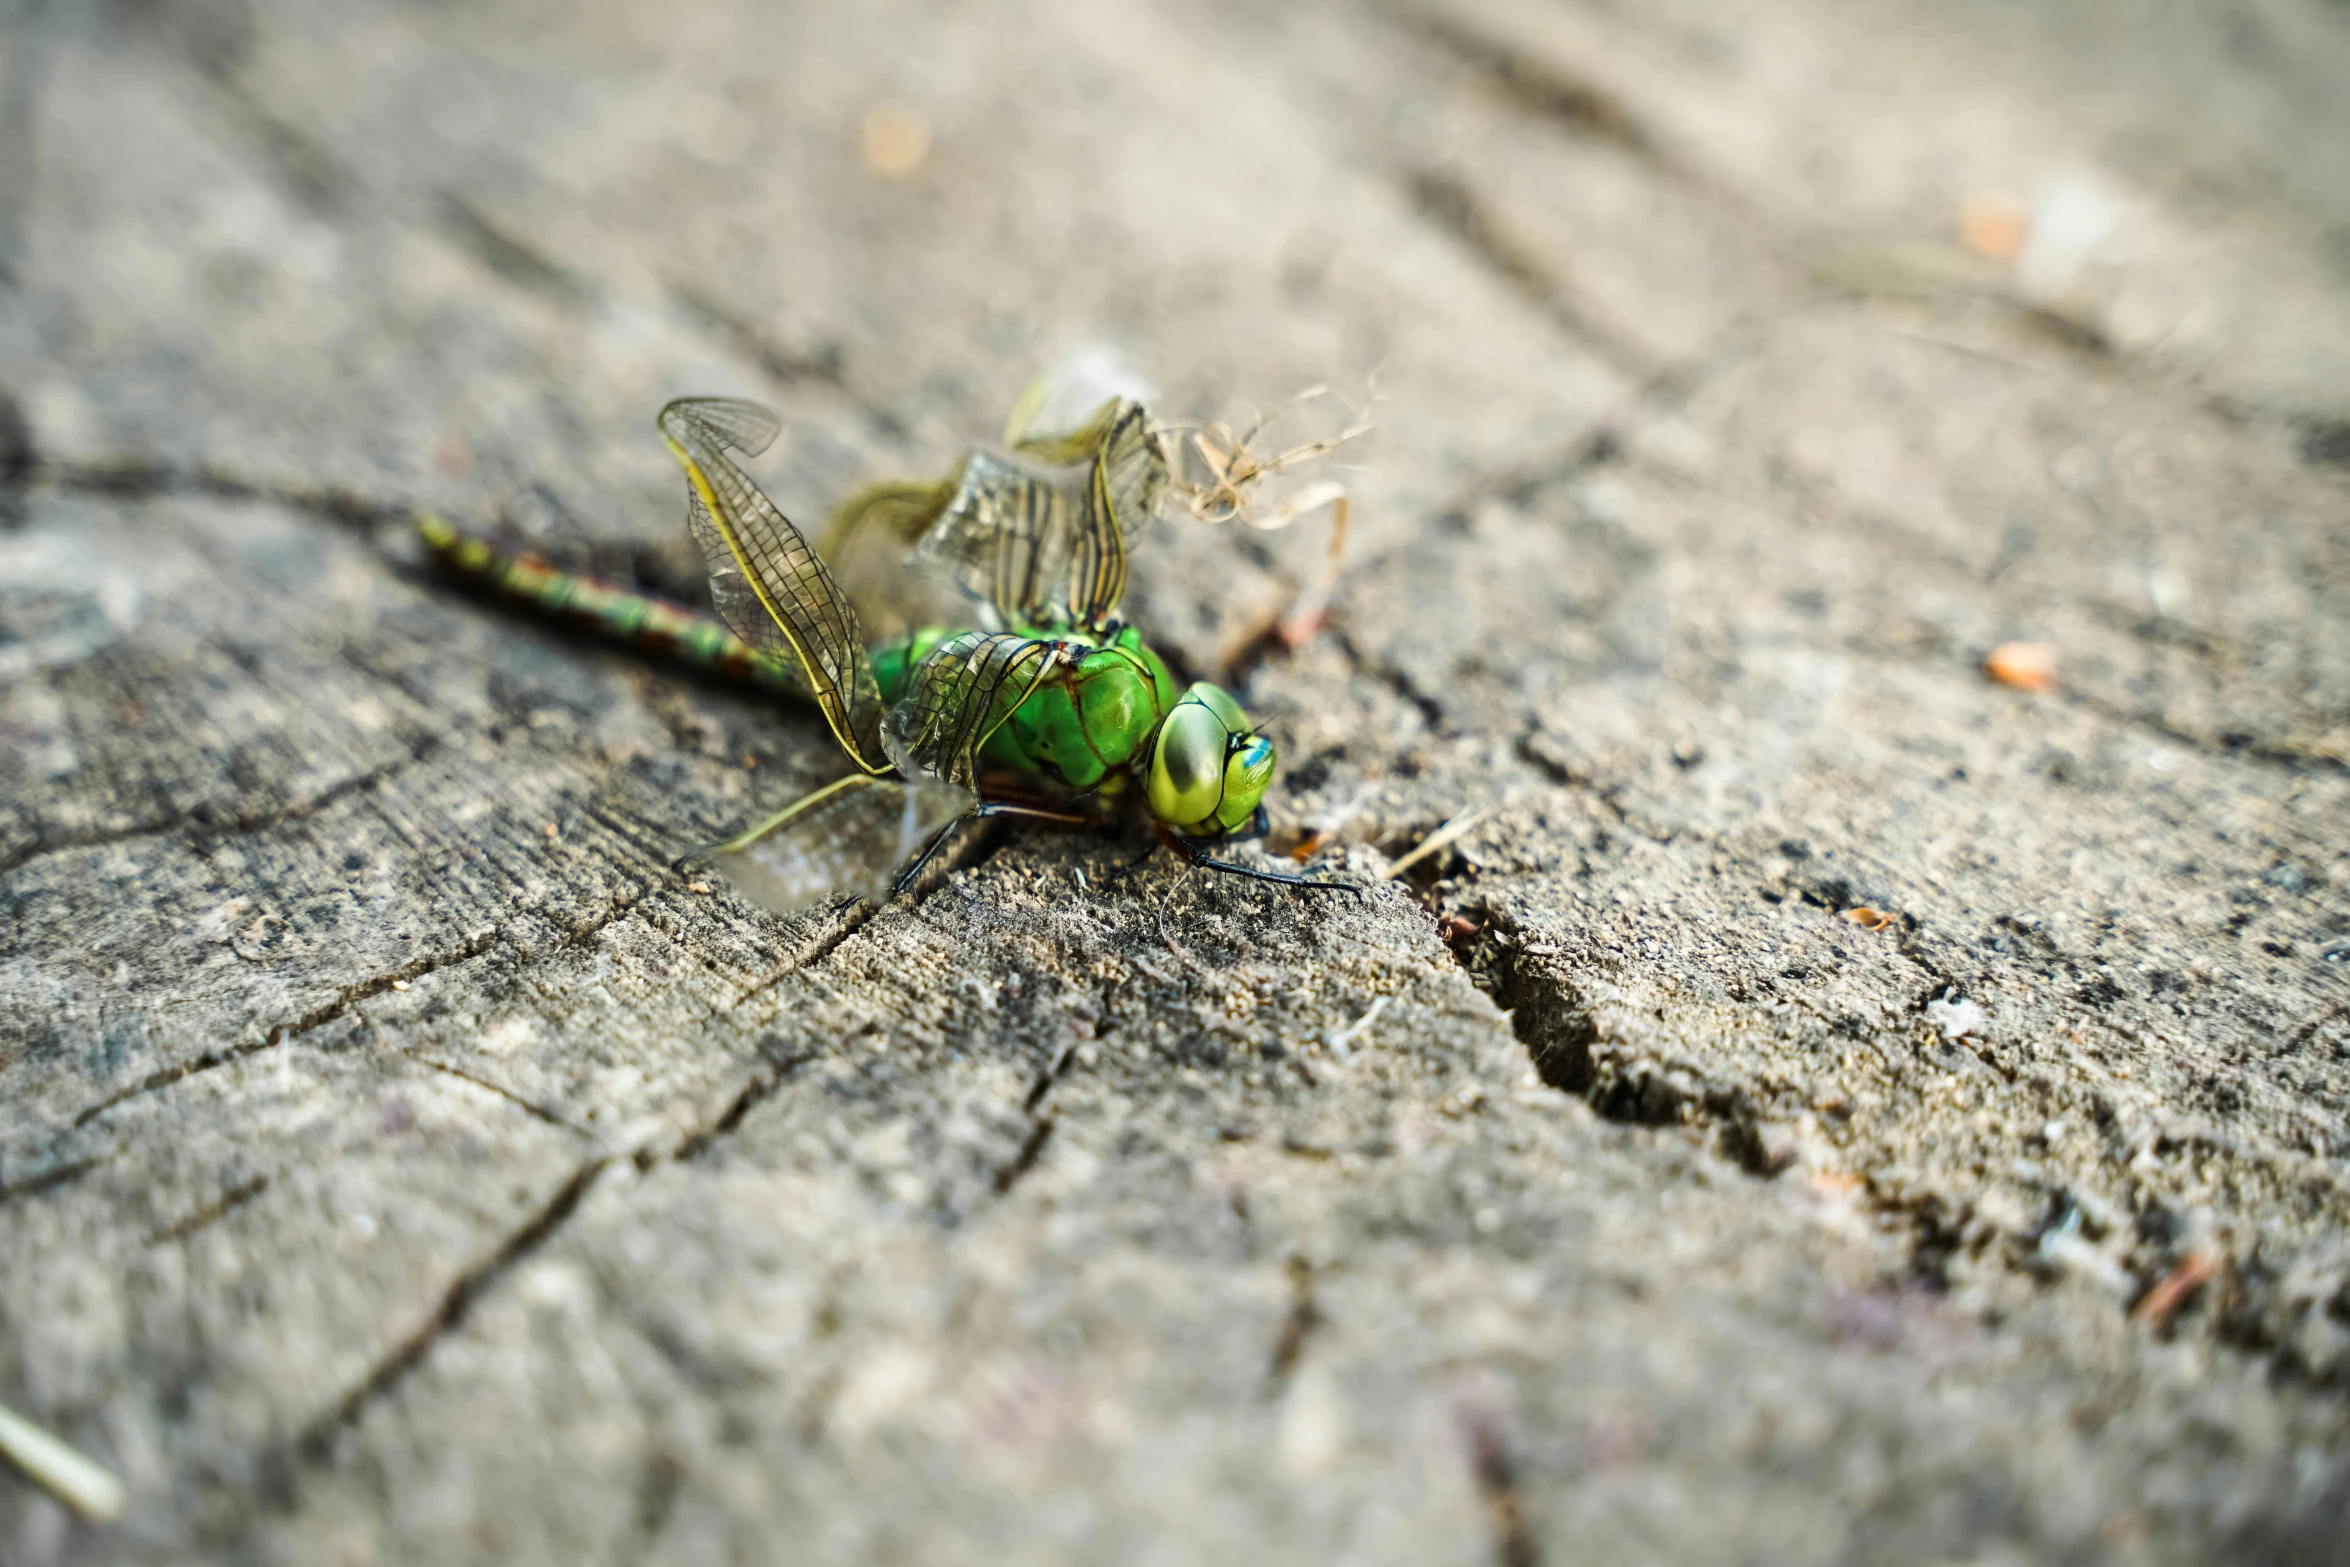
(1086, 723)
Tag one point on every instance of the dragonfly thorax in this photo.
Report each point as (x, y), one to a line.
(1108, 713)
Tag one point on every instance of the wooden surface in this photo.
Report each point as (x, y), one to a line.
(399, 1163)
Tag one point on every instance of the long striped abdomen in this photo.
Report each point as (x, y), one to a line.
(647, 622)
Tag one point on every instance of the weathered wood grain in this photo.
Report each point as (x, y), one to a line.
(399, 1162)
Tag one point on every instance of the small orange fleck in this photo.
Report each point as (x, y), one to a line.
(1308, 846)
(2027, 666)
(2182, 1281)
(1867, 918)
(701, 887)
(551, 832)
(1296, 630)
(895, 141)
(1838, 1182)
(1994, 226)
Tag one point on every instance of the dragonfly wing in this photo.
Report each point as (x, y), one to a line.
(1043, 534)
(1129, 480)
(958, 696)
(852, 837)
(1131, 463)
(1068, 404)
(869, 547)
(765, 581)
(902, 509)
(1006, 534)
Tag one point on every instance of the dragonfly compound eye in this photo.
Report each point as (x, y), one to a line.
(1187, 765)
(1248, 768)
(1208, 769)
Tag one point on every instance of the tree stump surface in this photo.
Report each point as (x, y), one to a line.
(1832, 1106)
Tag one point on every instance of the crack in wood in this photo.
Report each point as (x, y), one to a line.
(514, 258)
(1040, 1131)
(464, 1292)
(2269, 753)
(1603, 447)
(777, 363)
(147, 478)
(1052, 1073)
(509, 1095)
(1496, 1472)
(318, 1017)
(756, 1091)
(203, 835)
(1446, 200)
(16, 458)
(1607, 796)
(470, 1286)
(1400, 684)
(664, 1475)
(580, 935)
(1304, 1316)
(1547, 89)
(211, 1213)
(853, 918)
(55, 1176)
(506, 254)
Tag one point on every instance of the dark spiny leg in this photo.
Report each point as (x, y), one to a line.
(1277, 878)
(938, 842)
(986, 808)
(1183, 847)
(1031, 813)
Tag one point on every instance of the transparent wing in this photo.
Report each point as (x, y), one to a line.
(1064, 403)
(1133, 465)
(1042, 535)
(1070, 440)
(958, 696)
(1005, 536)
(869, 547)
(901, 510)
(852, 837)
(1129, 480)
(765, 581)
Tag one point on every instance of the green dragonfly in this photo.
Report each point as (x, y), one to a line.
(1049, 708)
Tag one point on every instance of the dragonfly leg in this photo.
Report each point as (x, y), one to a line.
(986, 808)
(758, 830)
(1032, 813)
(1192, 855)
(937, 842)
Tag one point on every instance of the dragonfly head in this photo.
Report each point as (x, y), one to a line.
(1208, 768)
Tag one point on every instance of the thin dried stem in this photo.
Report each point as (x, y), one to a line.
(1234, 472)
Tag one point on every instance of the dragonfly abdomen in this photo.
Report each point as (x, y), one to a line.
(647, 622)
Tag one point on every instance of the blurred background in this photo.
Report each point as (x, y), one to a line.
(456, 254)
